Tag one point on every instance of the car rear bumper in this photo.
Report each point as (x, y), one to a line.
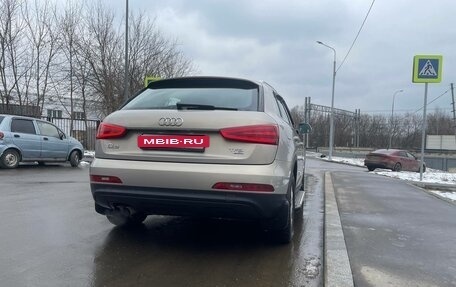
(188, 202)
(186, 188)
(377, 164)
(176, 175)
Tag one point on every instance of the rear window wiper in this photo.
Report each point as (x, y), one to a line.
(181, 106)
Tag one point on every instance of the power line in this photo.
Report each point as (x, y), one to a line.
(357, 35)
(415, 111)
(434, 100)
(402, 110)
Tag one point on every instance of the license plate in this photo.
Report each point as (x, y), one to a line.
(173, 141)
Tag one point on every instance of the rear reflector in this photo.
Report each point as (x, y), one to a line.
(263, 134)
(105, 179)
(244, 186)
(109, 131)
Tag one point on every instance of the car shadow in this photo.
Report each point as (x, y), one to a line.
(35, 165)
(186, 245)
(188, 251)
(50, 165)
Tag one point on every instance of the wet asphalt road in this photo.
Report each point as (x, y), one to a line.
(50, 235)
(396, 234)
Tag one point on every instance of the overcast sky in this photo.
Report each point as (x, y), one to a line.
(275, 41)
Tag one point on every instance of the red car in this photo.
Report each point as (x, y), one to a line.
(394, 159)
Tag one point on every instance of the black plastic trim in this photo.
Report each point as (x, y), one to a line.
(163, 201)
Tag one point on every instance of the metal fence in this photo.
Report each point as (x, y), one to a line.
(20, 110)
(441, 163)
(83, 130)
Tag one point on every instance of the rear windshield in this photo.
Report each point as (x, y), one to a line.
(223, 98)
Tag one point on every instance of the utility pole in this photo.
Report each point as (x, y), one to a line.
(307, 117)
(331, 117)
(454, 110)
(126, 80)
(358, 121)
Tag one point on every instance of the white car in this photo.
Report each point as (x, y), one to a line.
(210, 146)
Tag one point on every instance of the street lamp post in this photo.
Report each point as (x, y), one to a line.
(392, 118)
(331, 117)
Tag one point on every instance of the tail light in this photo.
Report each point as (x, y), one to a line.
(262, 134)
(1, 135)
(105, 179)
(110, 131)
(244, 186)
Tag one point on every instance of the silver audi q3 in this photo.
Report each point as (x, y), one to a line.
(201, 146)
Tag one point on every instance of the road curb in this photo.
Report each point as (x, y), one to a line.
(436, 186)
(434, 194)
(338, 272)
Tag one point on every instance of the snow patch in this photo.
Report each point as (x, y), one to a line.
(430, 176)
(449, 195)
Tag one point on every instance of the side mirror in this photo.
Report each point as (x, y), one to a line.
(304, 128)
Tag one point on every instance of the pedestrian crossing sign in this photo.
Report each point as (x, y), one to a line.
(427, 69)
(149, 79)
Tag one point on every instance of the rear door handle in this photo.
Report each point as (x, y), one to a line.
(17, 136)
(45, 139)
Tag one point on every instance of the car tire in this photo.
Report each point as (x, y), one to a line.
(285, 235)
(120, 219)
(370, 168)
(9, 159)
(74, 158)
(397, 167)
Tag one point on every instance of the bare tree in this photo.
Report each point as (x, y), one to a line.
(297, 115)
(150, 53)
(103, 51)
(74, 90)
(344, 130)
(410, 132)
(41, 32)
(11, 51)
(374, 130)
(76, 53)
(439, 123)
(71, 27)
